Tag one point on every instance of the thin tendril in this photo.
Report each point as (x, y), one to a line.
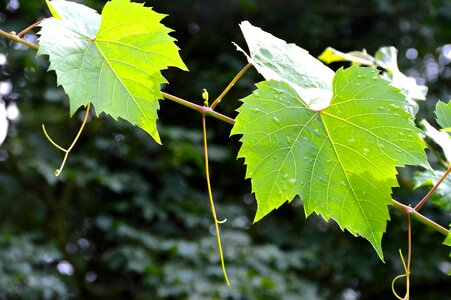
(406, 267)
(67, 151)
(50, 139)
(212, 204)
(400, 276)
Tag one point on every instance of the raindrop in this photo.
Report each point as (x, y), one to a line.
(2, 59)
(5, 87)
(292, 181)
(12, 111)
(91, 276)
(65, 268)
(351, 140)
(276, 120)
(380, 108)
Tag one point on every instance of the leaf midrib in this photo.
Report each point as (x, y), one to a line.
(123, 85)
(347, 178)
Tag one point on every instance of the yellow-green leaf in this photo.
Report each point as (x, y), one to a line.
(113, 61)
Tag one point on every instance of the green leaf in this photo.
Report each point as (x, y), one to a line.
(443, 113)
(385, 58)
(331, 55)
(52, 10)
(341, 160)
(86, 18)
(275, 59)
(113, 61)
(447, 242)
(442, 196)
(440, 138)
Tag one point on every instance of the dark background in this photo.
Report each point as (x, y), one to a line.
(129, 219)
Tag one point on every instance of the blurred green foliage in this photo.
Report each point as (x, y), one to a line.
(129, 219)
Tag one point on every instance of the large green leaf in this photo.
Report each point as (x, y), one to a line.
(275, 59)
(113, 60)
(341, 160)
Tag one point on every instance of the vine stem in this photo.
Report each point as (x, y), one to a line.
(231, 84)
(429, 194)
(207, 111)
(20, 34)
(14, 37)
(67, 151)
(210, 196)
(419, 217)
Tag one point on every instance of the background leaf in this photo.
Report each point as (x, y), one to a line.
(443, 113)
(275, 59)
(442, 196)
(117, 65)
(340, 161)
(385, 58)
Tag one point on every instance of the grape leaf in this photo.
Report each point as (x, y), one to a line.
(113, 61)
(442, 196)
(331, 55)
(341, 160)
(275, 59)
(443, 113)
(53, 11)
(448, 239)
(439, 137)
(385, 58)
(447, 242)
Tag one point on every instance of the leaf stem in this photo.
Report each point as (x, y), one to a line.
(207, 111)
(20, 34)
(434, 188)
(16, 38)
(212, 204)
(231, 84)
(419, 217)
(67, 151)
